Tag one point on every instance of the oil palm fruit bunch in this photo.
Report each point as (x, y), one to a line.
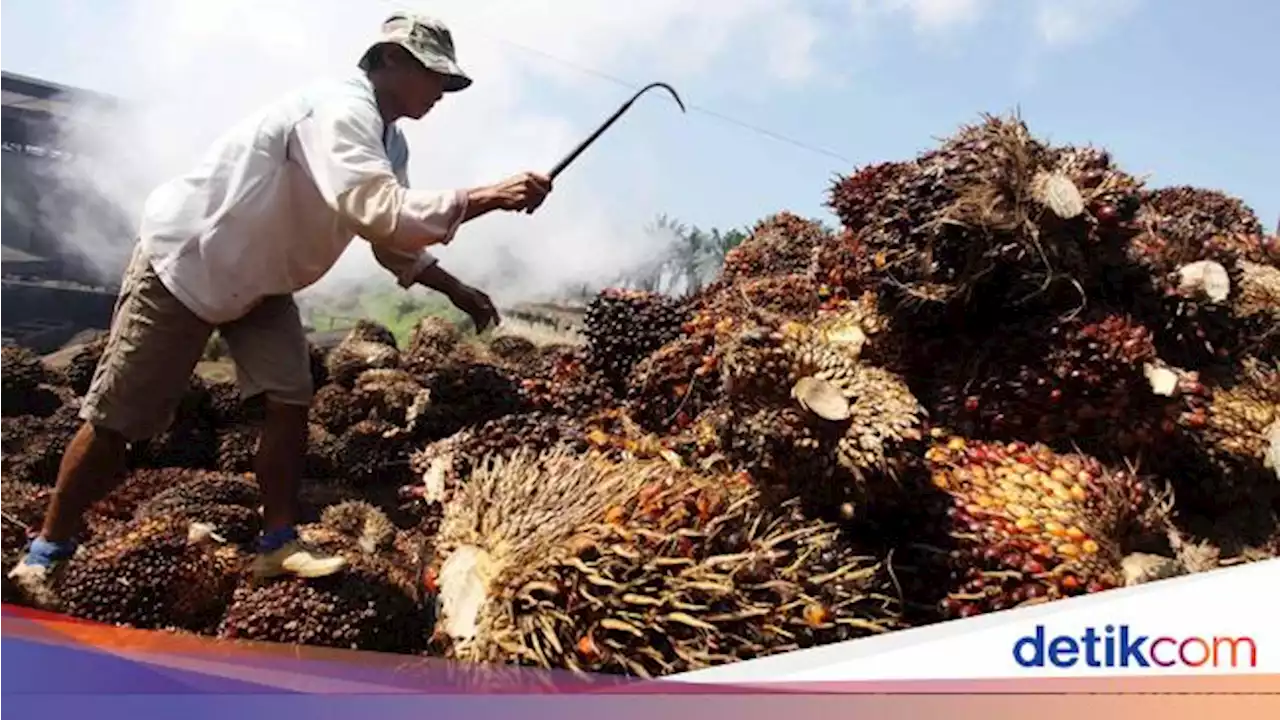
(24, 508)
(387, 394)
(190, 440)
(565, 383)
(572, 561)
(371, 605)
(622, 327)
(227, 407)
(372, 452)
(780, 244)
(1081, 380)
(334, 408)
(237, 447)
(362, 522)
(153, 573)
(992, 212)
(515, 351)
(225, 502)
(33, 445)
(672, 387)
(1027, 524)
(353, 356)
(370, 331)
(319, 370)
(84, 363)
(1189, 261)
(137, 487)
(464, 395)
(320, 460)
(1227, 434)
(444, 463)
(430, 343)
(23, 385)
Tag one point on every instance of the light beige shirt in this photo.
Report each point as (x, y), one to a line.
(278, 198)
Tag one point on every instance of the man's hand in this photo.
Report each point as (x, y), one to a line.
(477, 305)
(523, 192)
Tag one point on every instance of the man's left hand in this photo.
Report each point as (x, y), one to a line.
(477, 305)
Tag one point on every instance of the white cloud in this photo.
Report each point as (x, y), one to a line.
(192, 67)
(1064, 22)
(927, 16)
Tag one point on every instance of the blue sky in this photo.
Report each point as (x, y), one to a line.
(1177, 89)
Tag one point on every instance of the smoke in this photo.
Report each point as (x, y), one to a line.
(188, 69)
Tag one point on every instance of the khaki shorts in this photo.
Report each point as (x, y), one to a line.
(155, 343)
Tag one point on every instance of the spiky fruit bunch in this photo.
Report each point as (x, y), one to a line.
(1256, 309)
(138, 487)
(24, 509)
(1222, 461)
(1190, 216)
(781, 244)
(368, 606)
(228, 503)
(388, 395)
(237, 447)
(322, 447)
(366, 525)
(372, 452)
(514, 350)
(334, 408)
(190, 441)
(352, 357)
(624, 326)
(806, 382)
(793, 295)
(443, 464)
(467, 395)
(639, 569)
(1027, 524)
(24, 376)
(430, 343)
(564, 382)
(993, 212)
(371, 331)
(669, 389)
(84, 363)
(1082, 380)
(227, 408)
(149, 574)
(33, 446)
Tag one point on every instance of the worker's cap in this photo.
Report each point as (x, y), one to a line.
(429, 41)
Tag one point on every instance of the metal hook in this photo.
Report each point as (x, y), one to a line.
(559, 168)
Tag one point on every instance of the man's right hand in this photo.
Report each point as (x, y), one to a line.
(523, 192)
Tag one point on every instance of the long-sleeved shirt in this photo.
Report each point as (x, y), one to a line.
(278, 198)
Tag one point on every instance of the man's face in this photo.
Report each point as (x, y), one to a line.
(418, 88)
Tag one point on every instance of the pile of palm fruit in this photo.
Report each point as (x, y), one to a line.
(1013, 374)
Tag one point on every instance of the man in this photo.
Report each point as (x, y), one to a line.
(266, 213)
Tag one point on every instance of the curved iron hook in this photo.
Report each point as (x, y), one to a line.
(560, 166)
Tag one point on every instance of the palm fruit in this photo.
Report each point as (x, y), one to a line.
(676, 384)
(334, 408)
(430, 343)
(372, 452)
(228, 503)
(564, 382)
(368, 526)
(317, 494)
(24, 376)
(24, 508)
(992, 213)
(33, 446)
(624, 326)
(445, 463)
(84, 363)
(1082, 380)
(1222, 461)
(370, 331)
(353, 356)
(822, 422)
(153, 573)
(466, 395)
(1026, 524)
(1256, 309)
(387, 395)
(370, 606)
(237, 448)
(642, 569)
(780, 244)
(228, 408)
(513, 350)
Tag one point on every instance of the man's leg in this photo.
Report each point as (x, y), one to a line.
(153, 345)
(272, 359)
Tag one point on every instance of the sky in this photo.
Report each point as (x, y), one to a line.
(1177, 90)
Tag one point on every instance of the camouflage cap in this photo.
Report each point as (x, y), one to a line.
(428, 40)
